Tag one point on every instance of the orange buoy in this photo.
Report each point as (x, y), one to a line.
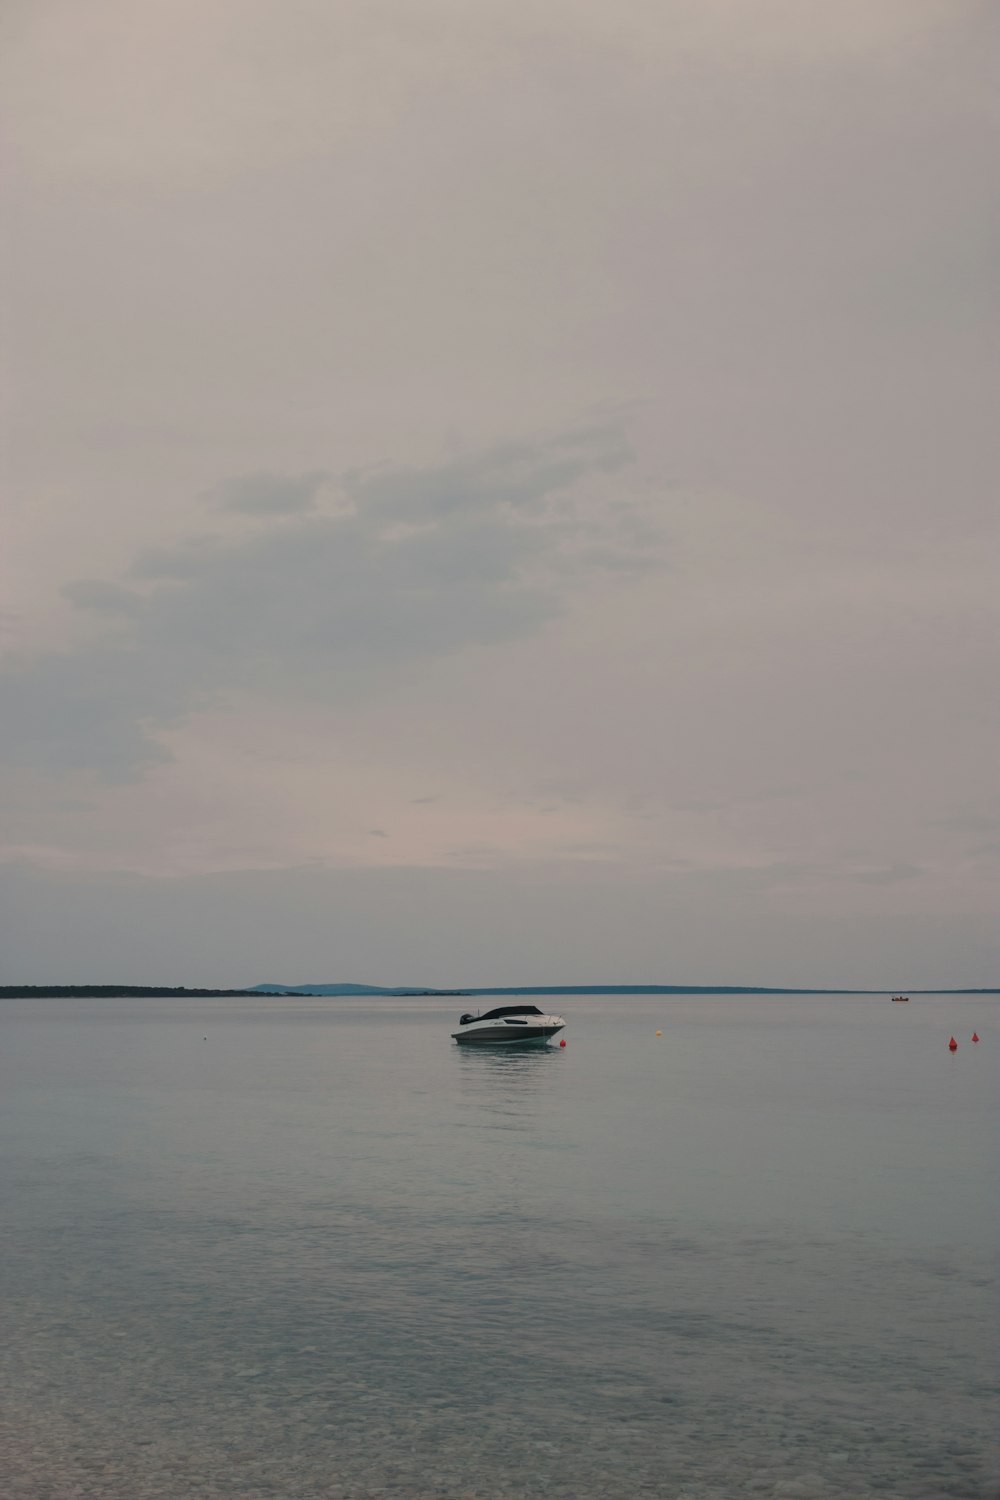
(953, 1045)
(562, 1042)
(659, 1033)
(975, 1037)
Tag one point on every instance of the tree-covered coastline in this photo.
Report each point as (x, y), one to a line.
(346, 991)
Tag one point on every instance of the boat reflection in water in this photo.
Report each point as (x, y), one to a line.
(508, 1026)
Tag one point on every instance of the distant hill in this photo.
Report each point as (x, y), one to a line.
(114, 991)
(107, 991)
(350, 989)
(582, 989)
(544, 989)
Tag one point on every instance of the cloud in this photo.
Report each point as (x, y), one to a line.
(326, 607)
(85, 709)
(269, 494)
(521, 476)
(102, 597)
(890, 875)
(179, 560)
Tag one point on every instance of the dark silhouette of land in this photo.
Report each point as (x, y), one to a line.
(107, 991)
(359, 991)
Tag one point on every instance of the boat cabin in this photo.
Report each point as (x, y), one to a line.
(501, 1011)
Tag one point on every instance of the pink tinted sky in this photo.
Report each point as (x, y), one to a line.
(501, 493)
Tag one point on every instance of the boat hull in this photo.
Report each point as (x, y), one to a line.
(506, 1036)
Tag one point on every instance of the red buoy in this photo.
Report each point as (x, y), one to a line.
(563, 1042)
(975, 1038)
(953, 1045)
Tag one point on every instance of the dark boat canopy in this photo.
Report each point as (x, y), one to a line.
(510, 1010)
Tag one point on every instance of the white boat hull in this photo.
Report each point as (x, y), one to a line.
(509, 1031)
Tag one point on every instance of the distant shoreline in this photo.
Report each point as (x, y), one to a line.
(375, 992)
(108, 991)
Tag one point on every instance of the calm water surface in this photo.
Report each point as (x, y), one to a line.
(309, 1248)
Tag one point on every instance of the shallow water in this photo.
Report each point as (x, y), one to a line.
(309, 1248)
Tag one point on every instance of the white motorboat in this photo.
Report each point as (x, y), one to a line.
(508, 1026)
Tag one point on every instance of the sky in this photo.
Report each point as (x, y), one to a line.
(500, 493)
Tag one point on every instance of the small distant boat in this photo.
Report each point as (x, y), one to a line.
(508, 1026)
(900, 999)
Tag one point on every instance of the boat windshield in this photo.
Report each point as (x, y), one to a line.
(510, 1010)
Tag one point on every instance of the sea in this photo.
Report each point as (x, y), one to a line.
(309, 1249)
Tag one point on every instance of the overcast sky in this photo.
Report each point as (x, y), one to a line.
(501, 492)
